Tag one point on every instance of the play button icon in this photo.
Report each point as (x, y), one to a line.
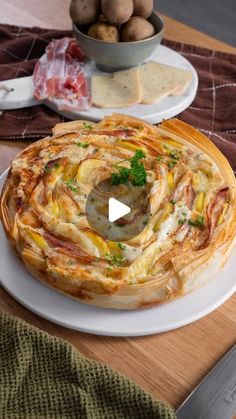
(117, 210)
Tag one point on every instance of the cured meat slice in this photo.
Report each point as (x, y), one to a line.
(214, 209)
(59, 76)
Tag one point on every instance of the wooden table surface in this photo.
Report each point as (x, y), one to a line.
(169, 365)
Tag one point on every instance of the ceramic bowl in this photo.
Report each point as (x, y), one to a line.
(120, 55)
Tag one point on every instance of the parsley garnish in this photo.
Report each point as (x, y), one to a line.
(83, 145)
(159, 158)
(49, 167)
(87, 126)
(114, 260)
(198, 223)
(172, 202)
(182, 220)
(121, 246)
(171, 164)
(136, 173)
(174, 155)
(72, 185)
(120, 177)
(174, 159)
(139, 154)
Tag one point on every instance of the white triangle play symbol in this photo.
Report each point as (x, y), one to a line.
(117, 210)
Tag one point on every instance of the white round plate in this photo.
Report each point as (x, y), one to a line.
(67, 312)
(165, 109)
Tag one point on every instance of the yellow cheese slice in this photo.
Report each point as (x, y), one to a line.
(116, 90)
(159, 81)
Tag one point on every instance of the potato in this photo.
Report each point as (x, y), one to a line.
(84, 11)
(117, 11)
(104, 32)
(143, 8)
(136, 28)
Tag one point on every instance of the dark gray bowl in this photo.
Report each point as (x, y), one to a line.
(120, 55)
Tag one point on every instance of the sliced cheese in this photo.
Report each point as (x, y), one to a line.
(116, 90)
(160, 80)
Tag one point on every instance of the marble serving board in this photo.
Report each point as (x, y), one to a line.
(18, 93)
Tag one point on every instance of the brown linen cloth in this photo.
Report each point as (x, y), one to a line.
(213, 111)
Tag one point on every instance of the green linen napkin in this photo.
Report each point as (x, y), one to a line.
(42, 376)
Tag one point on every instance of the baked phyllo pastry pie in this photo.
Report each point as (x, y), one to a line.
(187, 238)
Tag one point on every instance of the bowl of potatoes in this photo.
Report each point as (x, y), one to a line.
(116, 34)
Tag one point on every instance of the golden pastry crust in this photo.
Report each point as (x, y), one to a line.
(189, 235)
